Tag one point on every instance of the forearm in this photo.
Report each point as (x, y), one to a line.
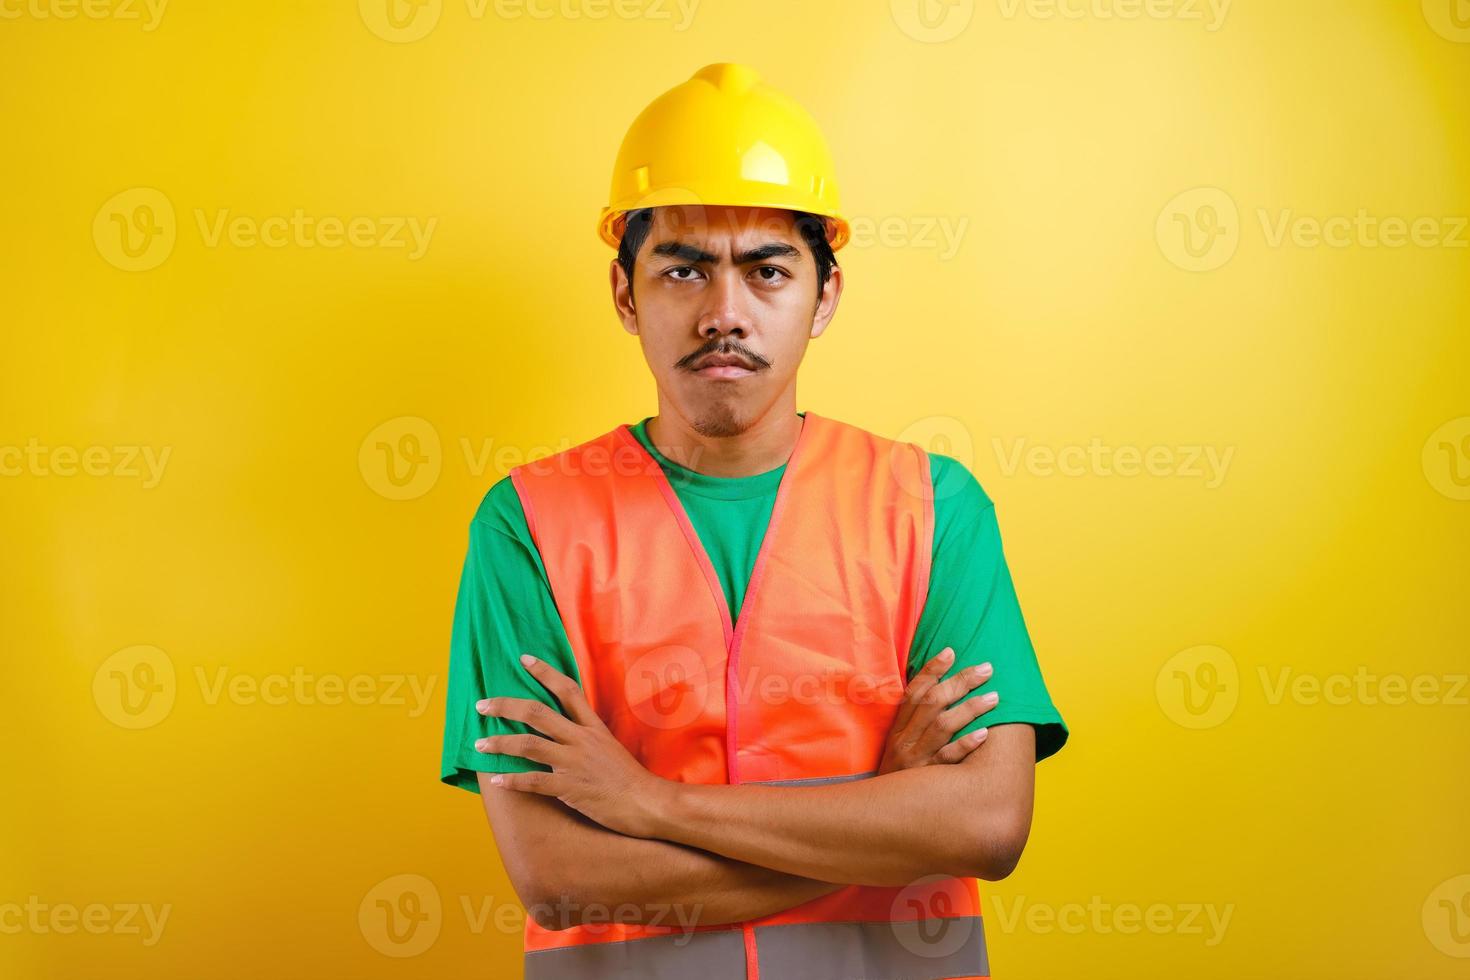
(888, 830)
(634, 880)
(643, 881)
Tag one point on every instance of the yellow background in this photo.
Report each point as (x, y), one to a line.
(1332, 834)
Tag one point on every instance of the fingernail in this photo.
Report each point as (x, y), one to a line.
(482, 706)
(497, 780)
(979, 734)
(992, 697)
(480, 744)
(946, 654)
(986, 667)
(527, 660)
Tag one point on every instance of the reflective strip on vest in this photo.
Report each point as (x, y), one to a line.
(926, 949)
(704, 955)
(922, 949)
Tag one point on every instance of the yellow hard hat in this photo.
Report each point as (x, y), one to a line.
(724, 137)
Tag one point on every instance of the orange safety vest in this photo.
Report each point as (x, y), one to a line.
(800, 690)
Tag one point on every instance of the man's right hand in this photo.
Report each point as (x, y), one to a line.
(921, 730)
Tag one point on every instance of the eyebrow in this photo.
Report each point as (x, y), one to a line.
(693, 253)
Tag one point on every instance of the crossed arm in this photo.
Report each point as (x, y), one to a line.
(564, 866)
(601, 831)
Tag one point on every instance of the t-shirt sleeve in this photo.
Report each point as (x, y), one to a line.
(504, 608)
(972, 607)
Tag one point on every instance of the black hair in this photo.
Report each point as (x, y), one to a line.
(813, 229)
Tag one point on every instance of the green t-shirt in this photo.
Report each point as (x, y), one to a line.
(505, 606)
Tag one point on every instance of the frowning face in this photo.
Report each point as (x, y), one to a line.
(724, 301)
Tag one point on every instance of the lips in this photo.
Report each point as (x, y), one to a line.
(723, 360)
(723, 367)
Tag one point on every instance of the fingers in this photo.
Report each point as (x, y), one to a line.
(936, 737)
(545, 720)
(568, 692)
(967, 711)
(946, 723)
(923, 681)
(957, 750)
(934, 700)
(531, 747)
(949, 691)
(927, 739)
(544, 783)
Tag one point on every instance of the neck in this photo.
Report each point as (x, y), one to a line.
(764, 446)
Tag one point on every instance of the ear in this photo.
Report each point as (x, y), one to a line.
(827, 302)
(622, 293)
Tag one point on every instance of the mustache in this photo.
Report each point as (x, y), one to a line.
(730, 347)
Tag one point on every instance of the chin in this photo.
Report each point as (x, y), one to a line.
(718, 421)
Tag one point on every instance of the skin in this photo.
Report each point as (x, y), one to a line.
(970, 819)
(599, 831)
(543, 841)
(744, 299)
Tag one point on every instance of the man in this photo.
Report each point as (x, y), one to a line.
(746, 691)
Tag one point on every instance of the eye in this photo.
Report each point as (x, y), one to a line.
(681, 268)
(779, 273)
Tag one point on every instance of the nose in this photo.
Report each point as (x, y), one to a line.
(725, 311)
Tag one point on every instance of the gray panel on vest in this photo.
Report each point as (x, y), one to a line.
(925, 949)
(702, 955)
